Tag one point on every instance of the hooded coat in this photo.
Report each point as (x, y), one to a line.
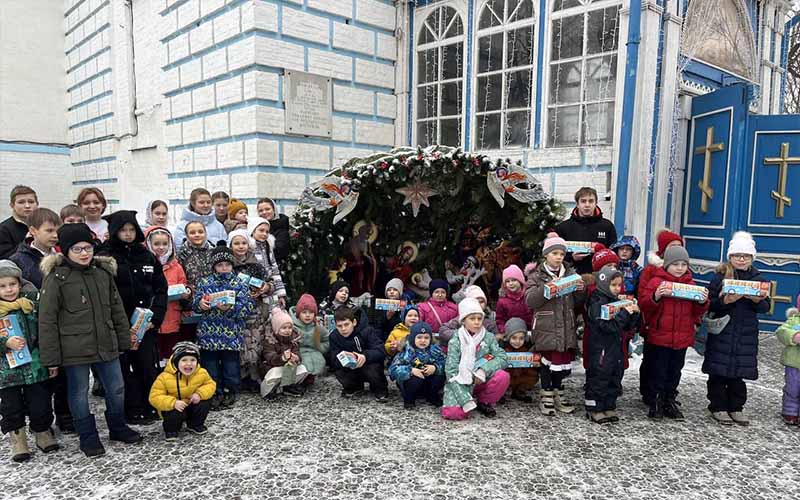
(215, 231)
(171, 386)
(174, 274)
(593, 228)
(222, 330)
(631, 270)
(256, 324)
(670, 322)
(785, 333)
(33, 372)
(311, 352)
(553, 320)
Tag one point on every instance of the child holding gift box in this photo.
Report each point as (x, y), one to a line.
(316, 339)
(511, 303)
(385, 321)
(220, 332)
(670, 324)
(396, 341)
(357, 341)
(437, 310)
(554, 328)
(628, 249)
(263, 245)
(474, 369)
(523, 380)
(604, 353)
(419, 369)
(732, 354)
(285, 373)
(789, 335)
(194, 254)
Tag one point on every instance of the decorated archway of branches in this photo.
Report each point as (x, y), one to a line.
(408, 211)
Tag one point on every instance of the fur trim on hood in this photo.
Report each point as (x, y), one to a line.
(51, 262)
(654, 260)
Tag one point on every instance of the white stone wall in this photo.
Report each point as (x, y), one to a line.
(44, 172)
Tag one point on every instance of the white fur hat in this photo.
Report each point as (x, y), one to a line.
(742, 243)
(243, 233)
(468, 306)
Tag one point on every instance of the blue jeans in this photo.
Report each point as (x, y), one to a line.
(223, 366)
(110, 376)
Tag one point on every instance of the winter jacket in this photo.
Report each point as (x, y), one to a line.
(631, 270)
(222, 330)
(279, 227)
(670, 322)
(522, 379)
(171, 385)
(28, 259)
(451, 327)
(456, 394)
(399, 334)
(733, 352)
(437, 314)
(313, 355)
(553, 320)
(786, 333)
(12, 233)
(256, 324)
(512, 306)
(275, 345)
(265, 257)
(605, 358)
(654, 262)
(363, 340)
(33, 372)
(413, 357)
(82, 318)
(593, 228)
(384, 325)
(215, 231)
(175, 275)
(328, 308)
(140, 278)
(195, 263)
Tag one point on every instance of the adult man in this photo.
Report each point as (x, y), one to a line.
(586, 224)
(14, 229)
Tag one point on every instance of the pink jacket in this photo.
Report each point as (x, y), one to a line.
(512, 306)
(173, 271)
(444, 310)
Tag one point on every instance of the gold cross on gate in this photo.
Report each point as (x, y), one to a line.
(710, 148)
(783, 163)
(773, 295)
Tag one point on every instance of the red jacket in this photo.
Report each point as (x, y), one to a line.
(670, 322)
(512, 306)
(173, 271)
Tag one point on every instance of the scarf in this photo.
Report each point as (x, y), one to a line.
(555, 274)
(163, 259)
(469, 346)
(20, 304)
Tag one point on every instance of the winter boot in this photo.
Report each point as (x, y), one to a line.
(562, 405)
(722, 418)
(521, 396)
(118, 430)
(46, 441)
(598, 417)
(656, 407)
(487, 411)
(228, 399)
(612, 415)
(547, 403)
(64, 423)
(739, 418)
(790, 419)
(89, 439)
(19, 445)
(672, 410)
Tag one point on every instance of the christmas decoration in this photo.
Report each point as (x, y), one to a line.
(515, 181)
(340, 196)
(416, 194)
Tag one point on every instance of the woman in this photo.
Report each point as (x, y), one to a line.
(93, 204)
(279, 227)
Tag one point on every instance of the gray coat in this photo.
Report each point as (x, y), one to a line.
(553, 320)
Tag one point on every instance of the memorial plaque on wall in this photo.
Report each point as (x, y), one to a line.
(309, 104)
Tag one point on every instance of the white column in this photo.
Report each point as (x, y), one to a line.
(402, 67)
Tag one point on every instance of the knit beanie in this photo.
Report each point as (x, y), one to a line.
(221, 253)
(664, 238)
(8, 269)
(234, 206)
(244, 234)
(604, 277)
(741, 243)
(419, 329)
(183, 349)
(278, 318)
(395, 283)
(254, 222)
(515, 325)
(437, 284)
(70, 235)
(603, 258)
(514, 272)
(306, 303)
(409, 307)
(553, 242)
(474, 292)
(675, 254)
(117, 221)
(467, 307)
(336, 286)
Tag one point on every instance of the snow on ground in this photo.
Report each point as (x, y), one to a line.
(324, 447)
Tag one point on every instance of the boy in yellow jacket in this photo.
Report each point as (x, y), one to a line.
(183, 391)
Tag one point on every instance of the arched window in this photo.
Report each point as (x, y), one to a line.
(440, 78)
(583, 73)
(504, 76)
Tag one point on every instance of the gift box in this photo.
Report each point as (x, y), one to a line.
(9, 327)
(139, 321)
(175, 292)
(686, 292)
(520, 359)
(579, 246)
(347, 360)
(328, 320)
(225, 297)
(251, 281)
(389, 305)
(561, 286)
(746, 288)
(608, 311)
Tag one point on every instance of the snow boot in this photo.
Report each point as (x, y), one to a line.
(547, 403)
(739, 418)
(89, 439)
(19, 445)
(561, 404)
(656, 407)
(46, 441)
(118, 430)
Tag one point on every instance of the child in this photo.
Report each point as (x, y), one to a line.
(43, 225)
(628, 249)
(156, 215)
(181, 393)
(732, 354)
(358, 341)
(385, 321)
(339, 296)
(159, 242)
(474, 367)
(199, 210)
(451, 327)
(285, 373)
(604, 348)
(396, 340)
(316, 340)
(194, 254)
(419, 368)
(237, 216)
(601, 257)
(23, 389)
(244, 261)
(789, 335)
(511, 303)
(258, 229)
(437, 310)
(219, 334)
(14, 229)
(71, 214)
(554, 329)
(670, 324)
(279, 227)
(523, 380)
(141, 284)
(82, 324)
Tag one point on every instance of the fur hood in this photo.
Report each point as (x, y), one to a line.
(51, 262)
(653, 259)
